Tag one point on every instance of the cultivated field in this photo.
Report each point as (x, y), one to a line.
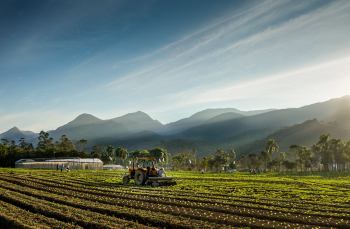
(87, 199)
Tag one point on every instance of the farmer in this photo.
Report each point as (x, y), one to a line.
(202, 171)
(160, 172)
(62, 167)
(57, 167)
(68, 168)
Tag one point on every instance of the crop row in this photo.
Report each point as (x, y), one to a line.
(142, 216)
(212, 213)
(309, 199)
(267, 205)
(249, 189)
(15, 217)
(71, 215)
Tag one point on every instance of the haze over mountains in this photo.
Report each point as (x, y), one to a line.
(209, 129)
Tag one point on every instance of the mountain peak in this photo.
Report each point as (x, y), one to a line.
(14, 129)
(14, 134)
(86, 116)
(139, 114)
(138, 121)
(82, 119)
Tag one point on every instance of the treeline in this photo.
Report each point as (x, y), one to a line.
(220, 159)
(327, 155)
(10, 151)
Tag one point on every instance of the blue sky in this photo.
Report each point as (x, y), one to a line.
(170, 59)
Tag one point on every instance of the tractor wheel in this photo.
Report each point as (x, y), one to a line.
(126, 180)
(140, 177)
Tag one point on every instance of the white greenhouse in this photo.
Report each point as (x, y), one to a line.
(52, 163)
(113, 167)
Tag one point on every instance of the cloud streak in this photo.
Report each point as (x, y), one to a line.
(218, 59)
(257, 53)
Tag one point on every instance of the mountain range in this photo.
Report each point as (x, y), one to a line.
(245, 131)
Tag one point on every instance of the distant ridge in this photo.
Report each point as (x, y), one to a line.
(327, 111)
(90, 131)
(203, 116)
(139, 121)
(224, 117)
(305, 134)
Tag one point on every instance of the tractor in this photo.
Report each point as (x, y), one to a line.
(145, 173)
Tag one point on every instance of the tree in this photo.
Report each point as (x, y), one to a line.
(204, 163)
(221, 158)
(121, 154)
(265, 157)
(95, 155)
(272, 164)
(232, 165)
(24, 145)
(290, 165)
(271, 146)
(81, 145)
(194, 161)
(303, 156)
(100, 149)
(139, 153)
(211, 162)
(3, 154)
(282, 159)
(232, 155)
(340, 158)
(254, 161)
(5, 142)
(45, 142)
(185, 158)
(242, 162)
(159, 153)
(326, 154)
(179, 160)
(110, 154)
(65, 144)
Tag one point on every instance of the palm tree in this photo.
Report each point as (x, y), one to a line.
(271, 146)
(124, 155)
(110, 152)
(121, 153)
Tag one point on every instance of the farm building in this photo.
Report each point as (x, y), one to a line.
(74, 163)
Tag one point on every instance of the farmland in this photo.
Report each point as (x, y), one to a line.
(87, 199)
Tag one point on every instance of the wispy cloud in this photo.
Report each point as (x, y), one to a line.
(256, 52)
(211, 63)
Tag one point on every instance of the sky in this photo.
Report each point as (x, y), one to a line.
(169, 59)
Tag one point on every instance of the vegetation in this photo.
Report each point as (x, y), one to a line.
(86, 199)
(327, 154)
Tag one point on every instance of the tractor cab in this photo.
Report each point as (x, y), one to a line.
(144, 172)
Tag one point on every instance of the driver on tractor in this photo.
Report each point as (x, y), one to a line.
(160, 172)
